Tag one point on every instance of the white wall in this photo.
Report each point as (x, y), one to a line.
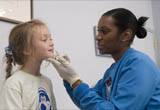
(156, 19)
(4, 33)
(71, 24)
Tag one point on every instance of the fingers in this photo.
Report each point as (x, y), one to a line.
(65, 56)
(59, 59)
(54, 62)
(62, 60)
(50, 60)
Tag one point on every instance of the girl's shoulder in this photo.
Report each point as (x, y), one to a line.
(19, 77)
(13, 82)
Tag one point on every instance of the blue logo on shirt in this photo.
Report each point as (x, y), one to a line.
(44, 101)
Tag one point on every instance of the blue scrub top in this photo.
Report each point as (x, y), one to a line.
(133, 83)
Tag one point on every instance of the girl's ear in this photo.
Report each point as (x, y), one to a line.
(27, 52)
(126, 35)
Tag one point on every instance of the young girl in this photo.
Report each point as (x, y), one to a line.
(29, 44)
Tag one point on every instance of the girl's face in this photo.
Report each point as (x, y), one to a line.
(108, 38)
(42, 43)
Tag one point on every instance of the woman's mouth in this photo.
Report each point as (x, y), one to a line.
(100, 46)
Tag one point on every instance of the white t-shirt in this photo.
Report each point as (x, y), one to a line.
(28, 92)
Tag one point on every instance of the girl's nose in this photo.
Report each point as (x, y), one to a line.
(51, 43)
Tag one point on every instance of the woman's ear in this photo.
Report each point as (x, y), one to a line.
(126, 35)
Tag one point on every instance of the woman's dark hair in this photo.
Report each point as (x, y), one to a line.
(125, 19)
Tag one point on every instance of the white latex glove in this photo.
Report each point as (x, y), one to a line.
(64, 68)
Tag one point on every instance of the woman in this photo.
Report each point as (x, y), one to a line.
(132, 82)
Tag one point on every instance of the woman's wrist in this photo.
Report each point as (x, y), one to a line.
(77, 83)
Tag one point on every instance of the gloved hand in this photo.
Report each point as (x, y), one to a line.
(64, 68)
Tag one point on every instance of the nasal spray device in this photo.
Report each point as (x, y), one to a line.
(65, 56)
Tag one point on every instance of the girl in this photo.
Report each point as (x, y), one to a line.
(29, 44)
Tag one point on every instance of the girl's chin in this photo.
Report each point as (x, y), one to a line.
(53, 56)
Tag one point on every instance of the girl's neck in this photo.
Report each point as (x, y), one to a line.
(32, 67)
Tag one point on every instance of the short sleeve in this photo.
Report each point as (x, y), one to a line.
(10, 99)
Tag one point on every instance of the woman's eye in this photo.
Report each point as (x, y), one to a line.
(103, 31)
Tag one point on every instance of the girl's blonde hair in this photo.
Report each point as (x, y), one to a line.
(20, 39)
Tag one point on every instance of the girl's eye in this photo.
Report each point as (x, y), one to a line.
(44, 40)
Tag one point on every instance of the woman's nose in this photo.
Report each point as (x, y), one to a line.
(98, 37)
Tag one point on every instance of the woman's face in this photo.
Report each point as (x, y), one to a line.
(108, 38)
